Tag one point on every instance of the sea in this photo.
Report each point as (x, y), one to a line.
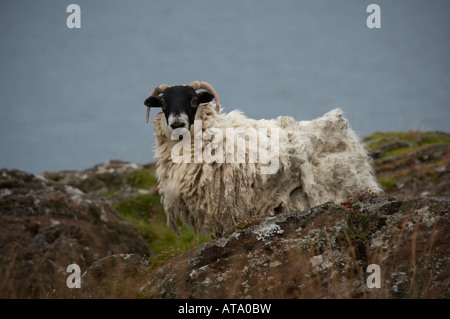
(73, 81)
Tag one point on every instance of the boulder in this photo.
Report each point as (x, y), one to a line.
(47, 225)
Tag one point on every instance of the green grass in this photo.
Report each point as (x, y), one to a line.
(147, 214)
(142, 179)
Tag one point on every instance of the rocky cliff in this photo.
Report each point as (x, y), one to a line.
(107, 219)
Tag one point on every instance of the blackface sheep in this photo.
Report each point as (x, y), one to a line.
(227, 167)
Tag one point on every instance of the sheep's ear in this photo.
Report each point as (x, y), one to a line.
(153, 101)
(205, 97)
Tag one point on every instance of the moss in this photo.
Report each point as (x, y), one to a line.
(375, 141)
(359, 222)
(431, 138)
(416, 139)
(401, 151)
(241, 224)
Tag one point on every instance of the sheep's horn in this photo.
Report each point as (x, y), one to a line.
(156, 91)
(197, 85)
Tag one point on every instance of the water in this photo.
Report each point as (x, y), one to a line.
(72, 98)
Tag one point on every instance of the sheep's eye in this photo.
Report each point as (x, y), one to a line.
(163, 104)
(194, 102)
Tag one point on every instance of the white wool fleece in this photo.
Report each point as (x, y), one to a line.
(319, 161)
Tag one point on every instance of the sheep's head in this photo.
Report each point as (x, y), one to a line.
(179, 103)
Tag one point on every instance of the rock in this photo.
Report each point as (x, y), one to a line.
(411, 164)
(415, 172)
(55, 219)
(111, 178)
(323, 252)
(46, 225)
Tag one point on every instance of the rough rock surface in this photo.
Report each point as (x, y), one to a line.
(46, 225)
(52, 220)
(319, 253)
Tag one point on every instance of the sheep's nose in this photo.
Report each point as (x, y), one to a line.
(177, 125)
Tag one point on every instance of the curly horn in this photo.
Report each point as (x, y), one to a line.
(156, 91)
(197, 85)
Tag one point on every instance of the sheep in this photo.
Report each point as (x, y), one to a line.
(310, 162)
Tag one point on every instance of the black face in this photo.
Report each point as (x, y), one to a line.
(179, 104)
